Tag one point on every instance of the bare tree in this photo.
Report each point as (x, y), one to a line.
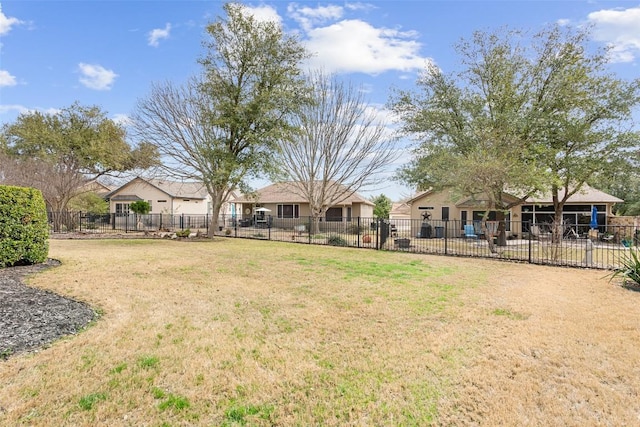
(342, 146)
(223, 126)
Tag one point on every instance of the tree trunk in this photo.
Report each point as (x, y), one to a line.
(215, 213)
(502, 228)
(558, 229)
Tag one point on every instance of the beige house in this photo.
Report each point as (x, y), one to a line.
(400, 211)
(281, 203)
(438, 207)
(164, 197)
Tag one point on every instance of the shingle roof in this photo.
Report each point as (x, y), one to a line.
(185, 190)
(288, 192)
(586, 195)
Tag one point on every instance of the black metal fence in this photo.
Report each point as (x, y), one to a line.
(571, 245)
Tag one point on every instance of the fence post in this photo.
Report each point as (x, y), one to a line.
(80, 221)
(358, 231)
(378, 245)
(529, 238)
(309, 229)
(126, 223)
(446, 227)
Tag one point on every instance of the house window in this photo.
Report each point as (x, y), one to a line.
(288, 211)
(463, 219)
(445, 213)
(150, 205)
(349, 214)
(162, 201)
(478, 215)
(122, 208)
(334, 214)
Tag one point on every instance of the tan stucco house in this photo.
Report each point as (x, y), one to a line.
(165, 197)
(440, 206)
(283, 202)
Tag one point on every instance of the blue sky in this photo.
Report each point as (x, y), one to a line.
(107, 53)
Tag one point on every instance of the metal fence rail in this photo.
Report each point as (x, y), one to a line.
(572, 245)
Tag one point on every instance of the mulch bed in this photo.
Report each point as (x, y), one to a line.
(31, 318)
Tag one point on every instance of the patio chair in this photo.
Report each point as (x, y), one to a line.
(469, 232)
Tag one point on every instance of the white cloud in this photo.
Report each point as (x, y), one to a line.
(21, 109)
(6, 79)
(158, 34)
(15, 108)
(307, 17)
(343, 45)
(96, 76)
(121, 119)
(620, 29)
(263, 13)
(357, 46)
(6, 22)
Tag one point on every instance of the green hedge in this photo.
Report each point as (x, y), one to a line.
(24, 232)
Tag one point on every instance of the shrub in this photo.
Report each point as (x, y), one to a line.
(336, 241)
(183, 233)
(630, 270)
(24, 232)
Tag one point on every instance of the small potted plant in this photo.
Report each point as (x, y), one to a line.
(366, 238)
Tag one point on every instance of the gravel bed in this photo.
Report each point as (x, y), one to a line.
(31, 318)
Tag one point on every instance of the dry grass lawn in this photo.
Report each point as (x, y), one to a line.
(239, 332)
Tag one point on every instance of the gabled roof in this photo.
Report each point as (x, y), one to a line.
(288, 192)
(586, 195)
(402, 208)
(420, 195)
(174, 189)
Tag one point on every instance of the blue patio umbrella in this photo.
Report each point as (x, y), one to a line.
(594, 218)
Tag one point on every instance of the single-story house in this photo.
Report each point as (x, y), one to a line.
(283, 202)
(440, 206)
(164, 197)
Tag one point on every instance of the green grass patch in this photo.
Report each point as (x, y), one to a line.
(509, 314)
(239, 414)
(87, 402)
(148, 362)
(377, 270)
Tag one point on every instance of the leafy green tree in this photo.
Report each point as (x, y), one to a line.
(140, 207)
(61, 153)
(525, 115)
(223, 126)
(383, 206)
(623, 181)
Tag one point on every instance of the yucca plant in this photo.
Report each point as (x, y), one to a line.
(630, 270)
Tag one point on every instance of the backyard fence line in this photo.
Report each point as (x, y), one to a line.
(575, 245)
